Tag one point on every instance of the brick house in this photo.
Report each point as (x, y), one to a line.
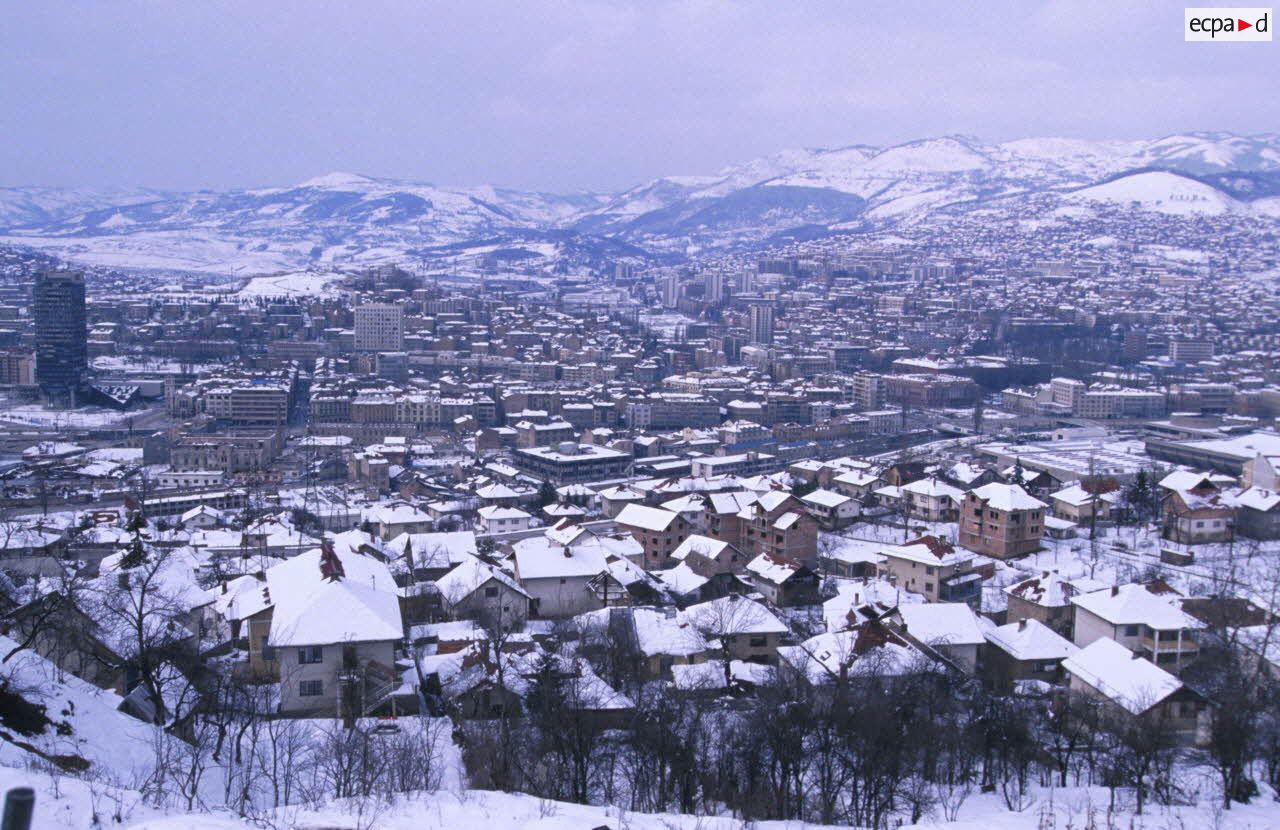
(1001, 520)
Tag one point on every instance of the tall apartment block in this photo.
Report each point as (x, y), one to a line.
(379, 328)
(62, 336)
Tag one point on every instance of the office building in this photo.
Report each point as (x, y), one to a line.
(62, 337)
(379, 328)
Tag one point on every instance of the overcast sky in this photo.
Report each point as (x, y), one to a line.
(593, 95)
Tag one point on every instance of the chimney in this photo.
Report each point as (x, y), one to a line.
(1115, 590)
(1022, 624)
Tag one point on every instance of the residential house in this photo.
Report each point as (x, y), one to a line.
(1196, 515)
(776, 523)
(335, 625)
(707, 556)
(658, 531)
(1024, 650)
(931, 499)
(479, 590)
(390, 520)
(745, 629)
(933, 568)
(832, 510)
(1257, 513)
(1002, 521)
(1084, 503)
(783, 582)
(1146, 618)
(949, 628)
(1047, 599)
(1134, 687)
(493, 519)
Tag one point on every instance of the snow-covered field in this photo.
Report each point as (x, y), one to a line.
(292, 284)
(38, 416)
(64, 803)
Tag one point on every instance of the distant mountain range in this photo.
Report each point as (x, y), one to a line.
(345, 220)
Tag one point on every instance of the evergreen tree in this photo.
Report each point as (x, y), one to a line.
(136, 554)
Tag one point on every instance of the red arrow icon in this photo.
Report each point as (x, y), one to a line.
(1241, 25)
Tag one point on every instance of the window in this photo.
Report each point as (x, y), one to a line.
(268, 653)
(757, 642)
(929, 570)
(928, 587)
(310, 654)
(1131, 631)
(491, 592)
(310, 688)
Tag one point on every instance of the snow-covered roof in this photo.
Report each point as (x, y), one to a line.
(857, 478)
(361, 606)
(494, 512)
(540, 558)
(880, 595)
(866, 650)
(1134, 683)
(1182, 480)
(733, 614)
(656, 633)
(711, 676)
(1153, 604)
(934, 488)
(469, 576)
(772, 569)
(646, 518)
(1051, 590)
(389, 514)
(1077, 496)
(436, 550)
(1030, 640)
(825, 498)
(703, 545)
(999, 496)
(725, 503)
(928, 550)
(1256, 498)
(682, 579)
(942, 623)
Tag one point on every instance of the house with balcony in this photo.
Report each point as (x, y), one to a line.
(1146, 618)
(931, 499)
(832, 510)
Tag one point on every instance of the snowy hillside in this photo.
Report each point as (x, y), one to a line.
(1161, 192)
(349, 220)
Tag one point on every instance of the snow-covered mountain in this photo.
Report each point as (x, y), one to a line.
(343, 219)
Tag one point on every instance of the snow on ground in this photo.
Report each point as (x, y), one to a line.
(295, 284)
(118, 747)
(39, 416)
(1161, 192)
(69, 804)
